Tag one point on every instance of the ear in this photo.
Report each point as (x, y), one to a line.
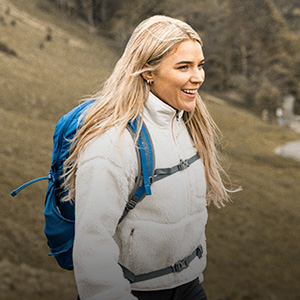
(147, 75)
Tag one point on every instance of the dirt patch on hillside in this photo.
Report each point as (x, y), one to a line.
(289, 150)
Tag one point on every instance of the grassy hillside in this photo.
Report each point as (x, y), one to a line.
(253, 243)
(43, 80)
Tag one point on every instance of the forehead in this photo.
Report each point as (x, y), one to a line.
(188, 50)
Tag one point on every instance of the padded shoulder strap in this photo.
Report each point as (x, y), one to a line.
(145, 157)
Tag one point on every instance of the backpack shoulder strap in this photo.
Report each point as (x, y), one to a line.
(145, 156)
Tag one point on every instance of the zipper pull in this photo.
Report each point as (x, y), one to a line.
(179, 114)
(130, 241)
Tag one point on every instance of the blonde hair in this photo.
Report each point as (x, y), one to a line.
(124, 95)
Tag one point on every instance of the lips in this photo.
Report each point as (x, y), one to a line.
(190, 93)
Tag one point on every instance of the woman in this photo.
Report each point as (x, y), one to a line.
(156, 80)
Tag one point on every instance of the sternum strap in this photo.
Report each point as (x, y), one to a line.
(164, 172)
(177, 267)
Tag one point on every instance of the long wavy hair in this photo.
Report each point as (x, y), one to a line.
(125, 93)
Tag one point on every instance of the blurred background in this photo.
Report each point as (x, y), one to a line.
(55, 52)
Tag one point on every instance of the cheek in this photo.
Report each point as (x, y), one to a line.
(178, 81)
(167, 83)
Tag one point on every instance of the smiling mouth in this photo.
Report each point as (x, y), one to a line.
(190, 92)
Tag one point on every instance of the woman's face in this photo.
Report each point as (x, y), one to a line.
(179, 76)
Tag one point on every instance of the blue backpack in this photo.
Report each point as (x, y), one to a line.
(60, 216)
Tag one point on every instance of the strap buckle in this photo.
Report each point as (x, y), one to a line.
(199, 251)
(131, 204)
(183, 164)
(180, 265)
(151, 179)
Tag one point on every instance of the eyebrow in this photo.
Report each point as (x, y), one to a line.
(189, 62)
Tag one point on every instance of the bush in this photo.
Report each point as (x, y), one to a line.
(245, 87)
(268, 98)
(4, 48)
(215, 73)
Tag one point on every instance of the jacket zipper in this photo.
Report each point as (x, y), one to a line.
(176, 120)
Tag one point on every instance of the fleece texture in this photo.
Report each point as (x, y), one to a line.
(164, 228)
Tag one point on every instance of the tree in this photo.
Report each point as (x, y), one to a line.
(88, 10)
(268, 98)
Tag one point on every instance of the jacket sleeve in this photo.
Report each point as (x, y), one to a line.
(102, 189)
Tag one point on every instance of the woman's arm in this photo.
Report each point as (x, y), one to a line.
(102, 189)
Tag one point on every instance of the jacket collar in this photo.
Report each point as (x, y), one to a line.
(160, 113)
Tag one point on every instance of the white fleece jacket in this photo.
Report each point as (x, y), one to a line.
(162, 229)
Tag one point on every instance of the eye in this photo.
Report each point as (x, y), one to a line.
(200, 66)
(185, 67)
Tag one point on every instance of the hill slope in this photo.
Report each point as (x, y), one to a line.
(44, 79)
(252, 243)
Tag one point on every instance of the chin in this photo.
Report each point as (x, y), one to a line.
(189, 108)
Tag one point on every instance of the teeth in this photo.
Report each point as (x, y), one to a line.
(190, 91)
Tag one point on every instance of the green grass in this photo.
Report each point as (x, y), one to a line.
(36, 88)
(67, 68)
(253, 243)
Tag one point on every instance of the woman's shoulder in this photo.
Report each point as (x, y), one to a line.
(112, 145)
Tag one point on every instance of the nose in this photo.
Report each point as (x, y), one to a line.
(198, 76)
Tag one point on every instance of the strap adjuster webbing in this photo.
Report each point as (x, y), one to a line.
(183, 264)
(176, 268)
(164, 172)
